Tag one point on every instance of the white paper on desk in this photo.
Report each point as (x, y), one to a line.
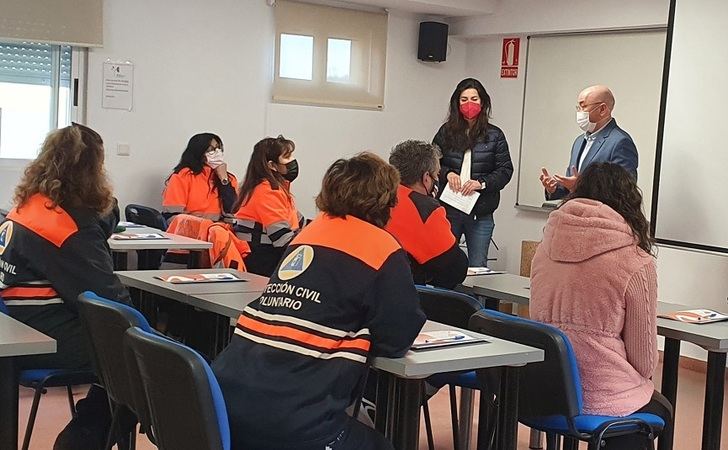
(482, 271)
(458, 200)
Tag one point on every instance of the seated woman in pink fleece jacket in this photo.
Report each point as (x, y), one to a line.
(593, 276)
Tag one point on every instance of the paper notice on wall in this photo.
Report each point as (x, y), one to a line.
(118, 85)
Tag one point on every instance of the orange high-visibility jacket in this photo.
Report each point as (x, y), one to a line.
(227, 250)
(194, 194)
(269, 217)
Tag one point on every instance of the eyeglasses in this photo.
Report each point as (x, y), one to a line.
(211, 150)
(580, 108)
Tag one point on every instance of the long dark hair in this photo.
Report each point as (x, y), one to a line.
(456, 127)
(612, 185)
(193, 157)
(268, 149)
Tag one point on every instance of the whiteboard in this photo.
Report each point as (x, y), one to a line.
(558, 67)
(692, 196)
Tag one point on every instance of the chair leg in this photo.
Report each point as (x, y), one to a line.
(71, 404)
(535, 438)
(553, 441)
(454, 417)
(128, 439)
(112, 428)
(571, 443)
(428, 424)
(31, 418)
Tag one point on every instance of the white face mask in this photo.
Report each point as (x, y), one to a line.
(215, 159)
(582, 119)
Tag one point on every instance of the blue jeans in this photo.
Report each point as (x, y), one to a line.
(478, 231)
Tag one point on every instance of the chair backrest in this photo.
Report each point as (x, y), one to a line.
(447, 306)
(144, 215)
(106, 321)
(185, 400)
(551, 387)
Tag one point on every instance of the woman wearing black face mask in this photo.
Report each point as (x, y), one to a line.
(266, 215)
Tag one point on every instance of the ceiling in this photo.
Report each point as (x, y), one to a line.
(446, 8)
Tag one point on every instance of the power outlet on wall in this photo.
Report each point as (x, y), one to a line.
(122, 149)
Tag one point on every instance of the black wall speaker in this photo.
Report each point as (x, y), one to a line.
(433, 41)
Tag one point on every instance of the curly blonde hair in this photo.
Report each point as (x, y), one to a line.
(69, 171)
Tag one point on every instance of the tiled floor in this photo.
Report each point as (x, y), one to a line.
(54, 414)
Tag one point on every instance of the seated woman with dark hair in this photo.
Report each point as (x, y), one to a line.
(53, 247)
(299, 353)
(265, 211)
(200, 184)
(594, 277)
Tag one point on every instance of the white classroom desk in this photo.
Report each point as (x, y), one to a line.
(146, 280)
(120, 248)
(711, 337)
(16, 339)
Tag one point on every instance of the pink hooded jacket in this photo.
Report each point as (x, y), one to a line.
(590, 279)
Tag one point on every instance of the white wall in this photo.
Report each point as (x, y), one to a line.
(197, 68)
(539, 16)
(686, 277)
(200, 67)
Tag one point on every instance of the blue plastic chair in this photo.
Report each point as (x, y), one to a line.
(550, 392)
(196, 417)
(40, 379)
(106, 321)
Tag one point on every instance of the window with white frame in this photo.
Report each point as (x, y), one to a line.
(35, 95)
(329, 56)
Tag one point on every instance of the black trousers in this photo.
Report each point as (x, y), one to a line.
(658, 406)
(73, 351)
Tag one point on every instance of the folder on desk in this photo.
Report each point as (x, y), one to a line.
(200, 278)
(699, 316)
(444, 338)
(482, 271)
(137, 236)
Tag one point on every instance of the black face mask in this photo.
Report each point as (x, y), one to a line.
(292, 172)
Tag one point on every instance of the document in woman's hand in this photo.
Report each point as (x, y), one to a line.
(458, 200)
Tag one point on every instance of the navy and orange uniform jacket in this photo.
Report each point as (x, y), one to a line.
(420, 225)
(199, 194)
(50, 256)
(343, 292)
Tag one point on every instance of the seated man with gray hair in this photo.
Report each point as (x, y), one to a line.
(418, 221)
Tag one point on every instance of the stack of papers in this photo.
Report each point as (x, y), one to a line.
(482, 271)
(695, 316)
(200, 278)
(436, 339)
(137, 236)
(458, 200)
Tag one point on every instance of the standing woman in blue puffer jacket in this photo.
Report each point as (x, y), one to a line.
(475, 159)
